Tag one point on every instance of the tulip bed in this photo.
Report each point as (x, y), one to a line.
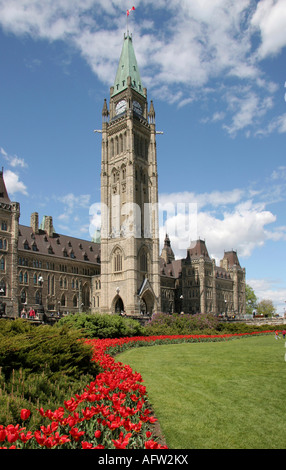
(112, 412)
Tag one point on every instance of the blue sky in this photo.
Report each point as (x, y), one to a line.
(215, 70)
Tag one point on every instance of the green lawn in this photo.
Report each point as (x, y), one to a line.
(228, 395)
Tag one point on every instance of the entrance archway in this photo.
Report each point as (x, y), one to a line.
(119, 306)
(147, 303)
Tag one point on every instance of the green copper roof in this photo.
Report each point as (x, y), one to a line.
(127, 68)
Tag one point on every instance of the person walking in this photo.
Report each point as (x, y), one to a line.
(284, 333)
(277, 335)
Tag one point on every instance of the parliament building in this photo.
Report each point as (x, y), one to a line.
(124, 271)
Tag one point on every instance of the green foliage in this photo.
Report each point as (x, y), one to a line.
(40, 366)
(251, 300)
(266, 308)
(176, 324)
(38, 348)
(102, 326)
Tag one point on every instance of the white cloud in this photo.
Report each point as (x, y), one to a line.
(270, 20)
(226, 220)
(195, 43)
(270, 289)
(13, 161)
(13, 184)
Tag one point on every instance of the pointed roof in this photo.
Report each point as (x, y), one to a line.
(3, 191)
(127, 68)
(197, 249)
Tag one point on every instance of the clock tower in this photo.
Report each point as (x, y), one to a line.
(130, 280)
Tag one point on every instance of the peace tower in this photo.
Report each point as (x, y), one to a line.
(130, 279)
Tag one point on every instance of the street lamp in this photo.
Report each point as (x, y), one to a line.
(181, 299)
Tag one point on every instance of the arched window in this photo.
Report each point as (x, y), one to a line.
(21, 277)
(37, 297)
(117, 260)
(75, 301)
(23, 296)
(63, 300)
(2, 264)
(144, 261)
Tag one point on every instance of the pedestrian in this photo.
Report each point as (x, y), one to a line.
(31, 313)
(284, 333)
(277, 335)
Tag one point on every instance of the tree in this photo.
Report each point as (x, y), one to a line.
(266, 308)
(251, 300)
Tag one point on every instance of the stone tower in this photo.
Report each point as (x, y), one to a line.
(9, 232)
(130, 279)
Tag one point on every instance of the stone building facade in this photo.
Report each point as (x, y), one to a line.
(42, 269)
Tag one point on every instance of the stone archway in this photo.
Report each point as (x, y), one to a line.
(147, 303)
(118, 305)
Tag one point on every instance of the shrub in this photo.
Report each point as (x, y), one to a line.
(40, 365)
(162, 323)
(102, 325)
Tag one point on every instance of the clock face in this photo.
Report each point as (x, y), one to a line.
(137, 107)
(120, 107)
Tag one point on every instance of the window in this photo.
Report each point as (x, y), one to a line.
(117, 260)
(63, 300)
(2, 264)
(144, 262)
(4, 225)
(38, 298)
(23, 296)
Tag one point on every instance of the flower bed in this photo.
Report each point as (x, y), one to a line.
(111, 413)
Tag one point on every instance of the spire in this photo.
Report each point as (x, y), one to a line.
(167, 252)
(151, 114)
(105, 112)
(127, 68)
(3, 191)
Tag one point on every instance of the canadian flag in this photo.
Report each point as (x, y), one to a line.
(131, 9)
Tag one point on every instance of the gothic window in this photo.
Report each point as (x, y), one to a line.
(4, 225)
(75, 301)
(2, 264)
(35, 279)
(121, 143)
(63, 300)
(53, 285)
(21, 277)
(117, 260)
(23, 296)
(123, 172)
(112, 148)
(37, 298)
(144, 261)
(26, 278)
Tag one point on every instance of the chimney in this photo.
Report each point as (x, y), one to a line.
(49, 229)
(35, 222)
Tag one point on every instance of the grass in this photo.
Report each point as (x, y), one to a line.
(228, 395)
